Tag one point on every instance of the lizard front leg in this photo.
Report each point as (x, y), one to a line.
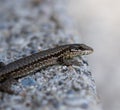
(68, 62)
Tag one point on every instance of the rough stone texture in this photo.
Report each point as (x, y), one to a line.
(29, 26)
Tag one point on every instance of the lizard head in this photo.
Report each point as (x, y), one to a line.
(80, 49)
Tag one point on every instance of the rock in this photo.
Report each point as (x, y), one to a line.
(28, 28)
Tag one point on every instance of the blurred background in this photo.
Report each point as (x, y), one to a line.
(98, 22)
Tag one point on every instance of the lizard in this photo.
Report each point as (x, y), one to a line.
(30, 64)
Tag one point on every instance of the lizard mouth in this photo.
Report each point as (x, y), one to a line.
(87, 52)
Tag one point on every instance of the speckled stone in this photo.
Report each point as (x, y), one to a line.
(26, 28)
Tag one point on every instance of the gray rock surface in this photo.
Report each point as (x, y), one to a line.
(29, 26)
